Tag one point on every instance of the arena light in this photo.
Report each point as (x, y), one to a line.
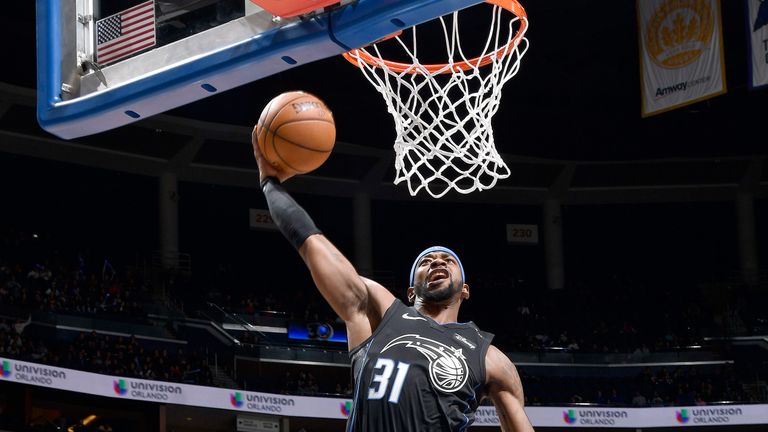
(85, 422)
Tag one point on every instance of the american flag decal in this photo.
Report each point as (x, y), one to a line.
(125, 33)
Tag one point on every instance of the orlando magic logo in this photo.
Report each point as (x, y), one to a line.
(447, 365)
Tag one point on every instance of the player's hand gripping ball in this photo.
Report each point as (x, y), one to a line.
(295, 133)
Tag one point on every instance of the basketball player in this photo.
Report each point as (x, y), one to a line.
(414, 368)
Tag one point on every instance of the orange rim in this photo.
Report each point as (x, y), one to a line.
(510, 5)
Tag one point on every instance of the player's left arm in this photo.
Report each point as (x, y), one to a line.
(506, 391)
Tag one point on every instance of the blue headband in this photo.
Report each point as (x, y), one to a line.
(436, 249)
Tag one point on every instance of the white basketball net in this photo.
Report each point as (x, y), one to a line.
(443, 117)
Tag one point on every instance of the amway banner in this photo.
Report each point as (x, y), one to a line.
(681, 53)
(757, 29)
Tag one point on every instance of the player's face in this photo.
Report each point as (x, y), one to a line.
(437, 277)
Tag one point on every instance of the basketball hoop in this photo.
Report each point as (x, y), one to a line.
(443, 111)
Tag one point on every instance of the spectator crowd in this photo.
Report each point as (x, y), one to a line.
(617, 315)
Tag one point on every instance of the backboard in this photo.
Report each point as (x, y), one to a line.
(106, 63)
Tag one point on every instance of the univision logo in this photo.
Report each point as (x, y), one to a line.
(569, 416)
(682, 416)
(6, 369)
(120, 387)
(346, 408)
(236, 399)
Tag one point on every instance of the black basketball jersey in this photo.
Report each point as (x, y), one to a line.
(414, 374)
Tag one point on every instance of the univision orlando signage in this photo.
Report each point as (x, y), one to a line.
(593, 417)
(707, 415)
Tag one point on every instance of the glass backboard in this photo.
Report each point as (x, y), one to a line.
(106, 63)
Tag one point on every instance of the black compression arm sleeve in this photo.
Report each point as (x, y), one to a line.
(291, 219)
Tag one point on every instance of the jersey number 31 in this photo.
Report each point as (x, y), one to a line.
(380, 381)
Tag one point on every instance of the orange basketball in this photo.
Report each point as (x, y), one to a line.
(295, 132)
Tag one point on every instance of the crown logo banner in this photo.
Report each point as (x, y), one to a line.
(681, 53)
(679, 32)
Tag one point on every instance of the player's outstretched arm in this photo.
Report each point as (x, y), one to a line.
(506, 391)
(360, 302)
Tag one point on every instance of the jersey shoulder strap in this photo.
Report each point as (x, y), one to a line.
(392, 310)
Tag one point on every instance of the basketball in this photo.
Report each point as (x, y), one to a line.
(296, 132)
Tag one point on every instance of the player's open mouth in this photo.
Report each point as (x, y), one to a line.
(437, 276)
